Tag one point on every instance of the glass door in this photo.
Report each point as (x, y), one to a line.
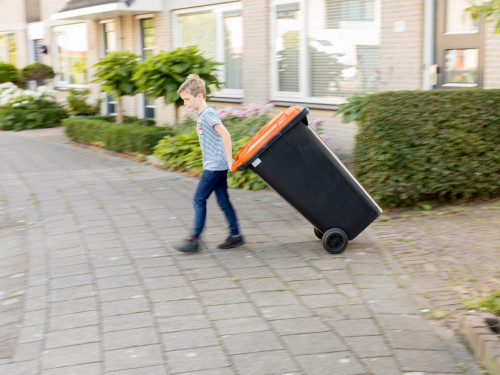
(459, 46)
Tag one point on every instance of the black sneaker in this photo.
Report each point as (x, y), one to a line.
(191, 245)
(232, 241)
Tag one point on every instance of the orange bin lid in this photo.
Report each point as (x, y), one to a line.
(265, 134)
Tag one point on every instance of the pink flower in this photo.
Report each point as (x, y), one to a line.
(269, 106)
(325, 137)
(318, 122)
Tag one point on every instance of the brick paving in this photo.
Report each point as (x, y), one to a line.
(452, 253)
(89, 282)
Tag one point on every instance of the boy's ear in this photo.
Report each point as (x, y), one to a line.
(200, 96)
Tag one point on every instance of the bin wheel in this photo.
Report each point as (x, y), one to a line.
(335, 240)
(318, 233)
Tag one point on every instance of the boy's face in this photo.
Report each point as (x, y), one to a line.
(193, 103)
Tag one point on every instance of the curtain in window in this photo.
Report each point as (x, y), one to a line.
(342, 48)
(288, 38)
(199, 29)
(233, 49)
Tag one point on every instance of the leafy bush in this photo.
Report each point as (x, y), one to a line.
(116, 137)
(181, 150)
(127, 120)
(114, 72)
(25, 109)
(77, 102)
(19, 119)
(416, 146)
(37, 72)
(8, 73)
(162, 74)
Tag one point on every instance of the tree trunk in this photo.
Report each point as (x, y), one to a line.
(119, 115)
(176, 114)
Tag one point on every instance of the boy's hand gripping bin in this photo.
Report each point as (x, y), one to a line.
(293, 160)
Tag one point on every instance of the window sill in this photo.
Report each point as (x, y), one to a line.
(328, 107)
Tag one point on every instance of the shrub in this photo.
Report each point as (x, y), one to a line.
(181, 150)
(8, 73)
(77, 102)
(25, 109)
(114, 72)
(116, 137)
(36, 72)
(127, 120)
(162, 74)
(416, 146)
(21, 119)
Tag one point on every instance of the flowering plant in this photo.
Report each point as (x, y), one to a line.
(13, 97)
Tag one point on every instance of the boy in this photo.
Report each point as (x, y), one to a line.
(215, 143)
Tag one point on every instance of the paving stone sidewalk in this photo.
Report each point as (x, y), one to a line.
(89, 282)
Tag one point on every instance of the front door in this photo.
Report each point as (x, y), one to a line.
(459, 46)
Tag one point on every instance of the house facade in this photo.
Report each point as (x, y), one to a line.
(313, 53)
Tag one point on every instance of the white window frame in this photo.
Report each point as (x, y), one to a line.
(219, 10)
(301, 96)
(60, 82)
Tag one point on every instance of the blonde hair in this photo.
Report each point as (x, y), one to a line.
(193, 85)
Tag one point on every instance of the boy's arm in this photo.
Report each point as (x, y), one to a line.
(226, 141)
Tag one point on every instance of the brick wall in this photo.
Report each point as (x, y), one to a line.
(401, 52)
(256, 60)
(32, 10)
(491, 59)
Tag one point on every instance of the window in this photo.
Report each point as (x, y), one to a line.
(147, 49)
(8, 53)
(71, 54)
(218, 32)
(459, 41)
(324, 50)
(110, 45)
(147, 37)
(109, 34)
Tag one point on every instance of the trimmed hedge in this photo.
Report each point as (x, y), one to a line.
(115, 137)
(20, 119)
(440, 145)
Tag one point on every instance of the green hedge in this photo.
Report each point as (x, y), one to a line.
(116, 137)
(418, 146)
(20, 119)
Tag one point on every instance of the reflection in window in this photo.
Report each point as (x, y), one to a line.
(147, 48)
(8, 52)
(71, 52)
(458, 20)
(218, 33)
(461, 67)
(342, 51)
(233, 49)
(147, 37)
(109, 37)
(287, 44)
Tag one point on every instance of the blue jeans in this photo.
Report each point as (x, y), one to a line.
(212, 181)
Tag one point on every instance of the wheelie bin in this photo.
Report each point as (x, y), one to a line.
(295, 162)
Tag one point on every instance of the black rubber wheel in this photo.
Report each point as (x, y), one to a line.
(318, 233)
(335, 240)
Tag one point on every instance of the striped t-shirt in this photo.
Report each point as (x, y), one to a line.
(214, 155)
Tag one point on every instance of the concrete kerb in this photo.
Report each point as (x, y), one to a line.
(482, 340)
